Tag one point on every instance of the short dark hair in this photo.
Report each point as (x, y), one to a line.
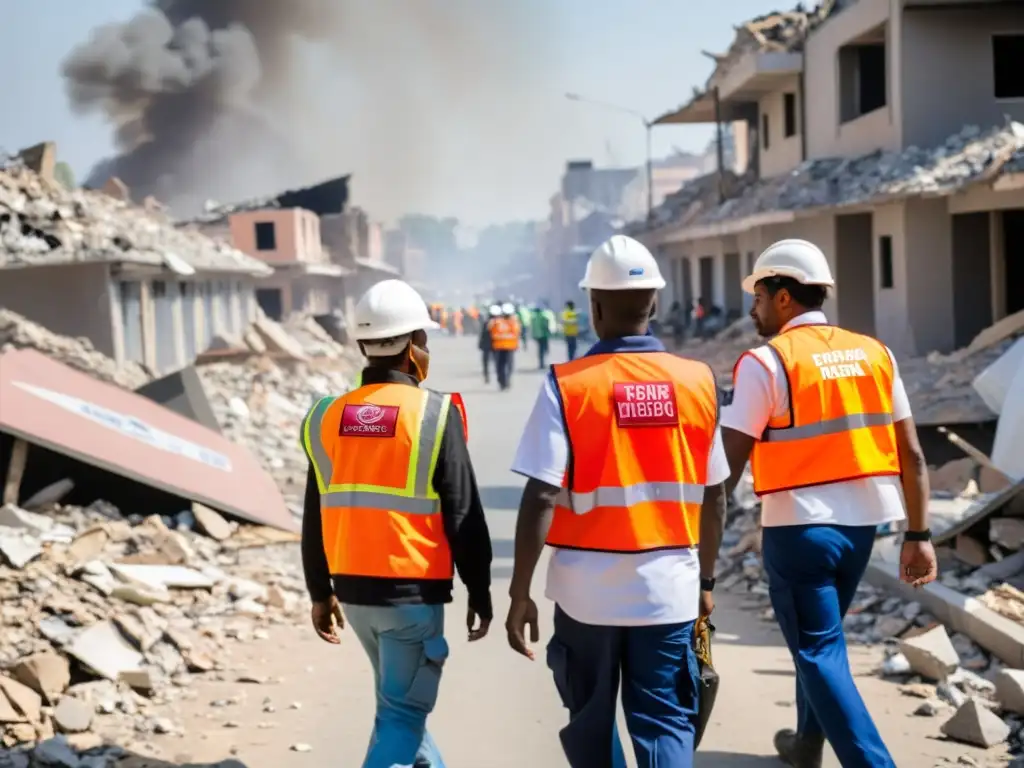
(570, 304)
(808, 296)
(627, 308)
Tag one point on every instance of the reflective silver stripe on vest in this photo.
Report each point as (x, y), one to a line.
(582, 503)
(430, 432)
(388, 501)
(828, 427)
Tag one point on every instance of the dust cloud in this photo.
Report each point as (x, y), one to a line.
(230, 99)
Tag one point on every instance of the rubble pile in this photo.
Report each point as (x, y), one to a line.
(44, 223)
(18, 332)
(260, 405)
(107, 616)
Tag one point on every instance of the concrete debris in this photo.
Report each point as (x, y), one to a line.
(931, 654)
(70, 618)
(977, 725)
(260, 405)
(1010, 690)
(43, 223)
(18, 332)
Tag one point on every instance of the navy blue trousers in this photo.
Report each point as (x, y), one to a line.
(813, 573)
(659, 672)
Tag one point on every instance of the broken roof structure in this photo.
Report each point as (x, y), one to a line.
(323, 198)
(969, 157)
(42, 223)
(766, 46)
(95, 423)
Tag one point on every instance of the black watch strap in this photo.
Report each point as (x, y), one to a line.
(925, 535)
(707, 585)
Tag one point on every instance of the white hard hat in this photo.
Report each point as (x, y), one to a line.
(391, 309)
(622, 264)
(494, 310)
(799, 259)
(508, 308)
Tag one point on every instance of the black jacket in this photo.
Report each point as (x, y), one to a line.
(464, 525)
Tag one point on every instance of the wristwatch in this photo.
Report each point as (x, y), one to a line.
(707, 585)
(925, 535)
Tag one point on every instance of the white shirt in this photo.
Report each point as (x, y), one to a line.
(760, 393)
(646, 588)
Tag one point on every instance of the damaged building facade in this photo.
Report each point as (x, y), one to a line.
(323, 252)
(88, 263)
(884, 132)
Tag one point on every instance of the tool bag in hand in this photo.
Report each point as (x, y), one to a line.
(708, 686)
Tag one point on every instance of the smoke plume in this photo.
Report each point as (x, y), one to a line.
(228, 99)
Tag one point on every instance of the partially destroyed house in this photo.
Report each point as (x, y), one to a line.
(884, 133)
(88, 263)
(323, 252)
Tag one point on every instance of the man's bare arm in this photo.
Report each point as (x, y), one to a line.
(913, 475)
(536, 510)
(712, 524)
(737, 450)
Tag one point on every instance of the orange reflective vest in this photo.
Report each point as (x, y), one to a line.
(374, 452)
(839, 426)
(640, 429)
(504, 333)
(456, 400)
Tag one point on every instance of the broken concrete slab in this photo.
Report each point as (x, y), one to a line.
(1007, 532)
(1010, 690)
(46, 673)
(51, 494)
(931, 654)
(104, 650)
(975, 724)
(1003, 569)
(40, 526)
(89, 544)
(72, 715)
(162, 577)
(23, 699)
(17, 548)
(211, 522)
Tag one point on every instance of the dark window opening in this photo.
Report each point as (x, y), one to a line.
(159, 289)
(885, 257)
(266, 236)
(862, 80)
(1008, 66)
(765, 142)
(789, 109)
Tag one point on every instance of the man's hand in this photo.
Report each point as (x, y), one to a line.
(707, 603)
(521, 613)
(328, 620)
(917, 563)
(476, 631)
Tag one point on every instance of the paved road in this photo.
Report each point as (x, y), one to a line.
(498, 710)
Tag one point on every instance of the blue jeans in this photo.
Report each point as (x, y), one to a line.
(407, 649)
(659, 672)
(570, 347)
(813, 573)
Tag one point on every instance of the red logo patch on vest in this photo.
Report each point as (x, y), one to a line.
(369, 420)
(646, 404)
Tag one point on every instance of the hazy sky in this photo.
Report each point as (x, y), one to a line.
(501, 162)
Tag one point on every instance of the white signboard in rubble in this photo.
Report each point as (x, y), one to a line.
(131, 427)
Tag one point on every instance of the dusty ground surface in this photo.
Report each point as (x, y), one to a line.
(497, 709)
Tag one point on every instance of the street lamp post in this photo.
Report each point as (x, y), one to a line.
(647, 128)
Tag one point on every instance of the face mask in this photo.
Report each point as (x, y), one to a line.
(420, 371)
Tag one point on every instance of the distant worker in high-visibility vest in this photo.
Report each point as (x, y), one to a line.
(504, 332)
(625, 471)
(823, 416)
(570, 329)
(486, 344)
(391, 509)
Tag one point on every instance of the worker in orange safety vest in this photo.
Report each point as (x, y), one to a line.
(392, 507)
(504, 332)
(625, 473)
(824, 418)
